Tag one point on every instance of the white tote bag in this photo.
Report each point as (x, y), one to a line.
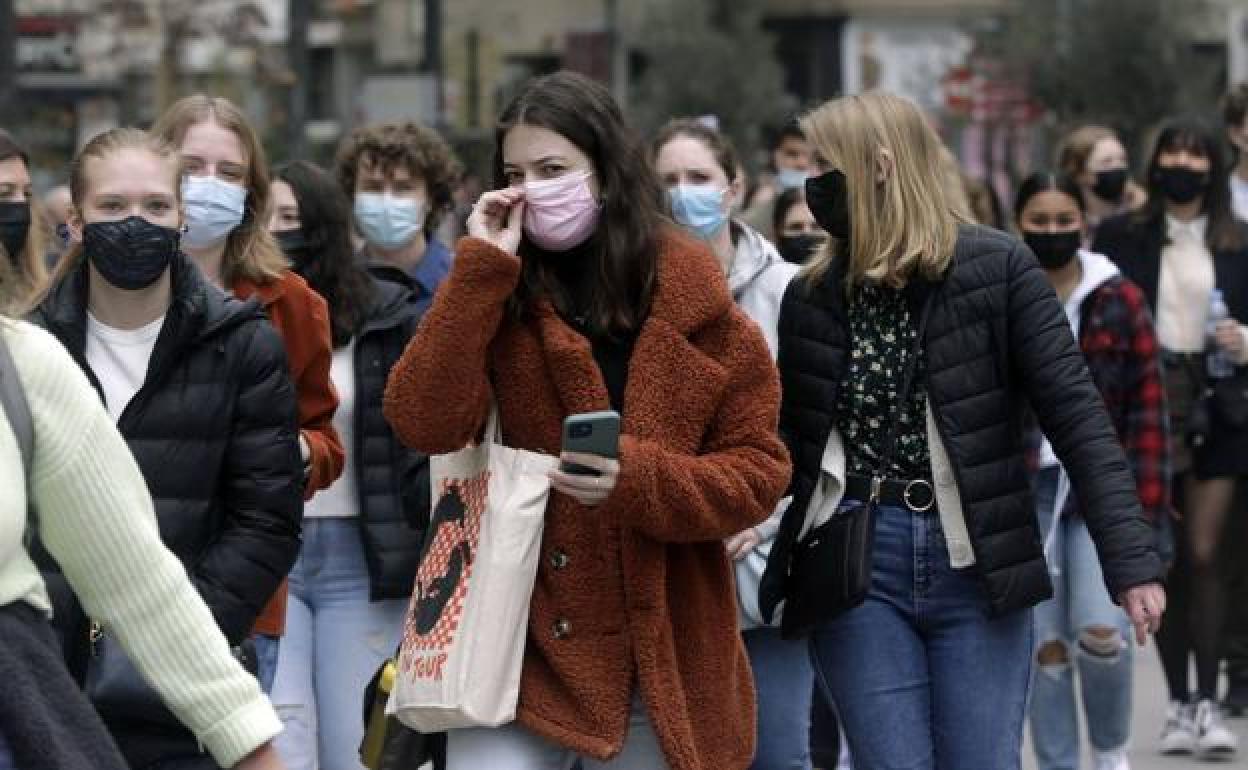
(464, 636)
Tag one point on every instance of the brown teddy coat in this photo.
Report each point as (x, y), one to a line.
(634, 596)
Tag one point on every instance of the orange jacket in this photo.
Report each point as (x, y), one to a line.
(301, 316)
(638, 592)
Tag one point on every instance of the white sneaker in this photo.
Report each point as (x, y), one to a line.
(1179, 734)
(1213, 740)
(1111, 760)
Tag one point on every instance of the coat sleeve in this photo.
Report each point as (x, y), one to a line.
(737, 478)
(262, 483)
(317, 398)
(96, 519)
(1054, 375)
(438, 394)
(1145, 428)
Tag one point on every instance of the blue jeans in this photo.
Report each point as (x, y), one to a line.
(784, 681)
(512, 747)
(6, 756)
(335, 641)
(1081, 602)
(267, 650)
(921, 674)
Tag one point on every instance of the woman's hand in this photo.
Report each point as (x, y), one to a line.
(263, 758)
(740, 544)
(1230, 337)
(1145, 605)
(587, 490)
(498, 218)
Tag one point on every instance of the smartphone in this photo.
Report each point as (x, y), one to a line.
(595, 433)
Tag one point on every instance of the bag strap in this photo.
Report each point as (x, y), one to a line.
(903, 395)
(17, 410)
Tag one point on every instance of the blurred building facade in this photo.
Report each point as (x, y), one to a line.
(88, 64)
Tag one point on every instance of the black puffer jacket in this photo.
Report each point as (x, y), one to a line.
(214, 430)
(997, 341)
(393, 481)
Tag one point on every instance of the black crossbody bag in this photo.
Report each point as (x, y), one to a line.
(830, 569)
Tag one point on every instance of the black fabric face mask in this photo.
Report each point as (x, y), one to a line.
(799, 249)
(828, 199)
(130, 253)
(1181, 184)
(1054, 250)
(296, 246)
(1110, 185)
(14, 227)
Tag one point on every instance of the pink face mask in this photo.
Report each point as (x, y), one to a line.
(560, 213)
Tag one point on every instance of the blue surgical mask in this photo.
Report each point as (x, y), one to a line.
(791, 178)
(388, 222)
(699, 207)
(214, 209)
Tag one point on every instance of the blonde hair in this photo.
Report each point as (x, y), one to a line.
(250, 251)
(1077, 147)
(100, 147)
(905, 224)
(27, 273)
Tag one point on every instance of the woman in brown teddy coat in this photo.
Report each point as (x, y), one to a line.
(574, 294)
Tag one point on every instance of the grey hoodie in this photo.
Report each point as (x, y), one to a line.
(758, 279)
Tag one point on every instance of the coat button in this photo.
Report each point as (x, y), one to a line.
(562, 628)
(559, 559)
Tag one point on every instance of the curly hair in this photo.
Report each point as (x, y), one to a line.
(408, 145)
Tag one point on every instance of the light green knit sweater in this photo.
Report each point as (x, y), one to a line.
(96, 519)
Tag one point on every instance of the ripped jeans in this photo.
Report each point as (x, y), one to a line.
(1080, 629)
(335, 641)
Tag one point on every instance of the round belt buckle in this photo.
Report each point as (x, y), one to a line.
(921, 489)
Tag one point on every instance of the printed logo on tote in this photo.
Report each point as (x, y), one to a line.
(442, 580)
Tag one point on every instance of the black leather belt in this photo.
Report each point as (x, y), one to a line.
(917, 495)
(1174, 360)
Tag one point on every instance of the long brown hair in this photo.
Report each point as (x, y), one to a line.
(29, 275)
(622, 255)
(332, 269)
(250, 251)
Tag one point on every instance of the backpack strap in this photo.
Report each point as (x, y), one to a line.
(17, 410)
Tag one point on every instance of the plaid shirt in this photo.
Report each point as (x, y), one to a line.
(1124, 358)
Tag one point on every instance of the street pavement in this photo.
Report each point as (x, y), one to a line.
(1148, 715)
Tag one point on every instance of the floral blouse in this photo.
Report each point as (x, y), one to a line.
(882, 333)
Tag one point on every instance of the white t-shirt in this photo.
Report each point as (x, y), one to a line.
(342, 498)
(1187, 278)
(119, 359)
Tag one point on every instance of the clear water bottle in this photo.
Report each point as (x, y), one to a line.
(1218, 363)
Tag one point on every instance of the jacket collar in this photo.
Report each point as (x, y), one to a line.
(390, 306)
(198, 309)
(690, 293)
(753, 256)
(266, 293)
